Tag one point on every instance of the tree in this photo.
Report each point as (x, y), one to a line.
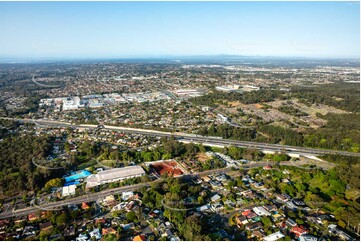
(342, 224)
(114, 155)
(56, 182)
(74, 214)
(191, 150)
(192, 228)
(147, 156)
(202, 148)
(131, 216)
(314, 200)
(235, 152)
(109, 237)
(62, 219)
(266, 222)
(166, 156)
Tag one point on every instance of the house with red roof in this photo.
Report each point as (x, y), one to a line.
(249, 214)
(106, 231)
(267, 168)
(140, 237)
(85, 206)
(169, 167)
(299, 230)
(33, 217)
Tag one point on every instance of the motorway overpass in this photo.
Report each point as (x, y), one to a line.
(198, 138)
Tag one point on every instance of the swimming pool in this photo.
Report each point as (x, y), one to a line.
(79, 175)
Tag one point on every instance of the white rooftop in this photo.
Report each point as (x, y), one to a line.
(274, 236)
(68, 190)
(114, 174)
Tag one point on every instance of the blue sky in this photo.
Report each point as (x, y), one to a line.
(143, 29)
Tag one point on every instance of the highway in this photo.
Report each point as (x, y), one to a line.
(197, 138)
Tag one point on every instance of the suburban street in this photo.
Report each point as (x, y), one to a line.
(90, 197)
(95, 196)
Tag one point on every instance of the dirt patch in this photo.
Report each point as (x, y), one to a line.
(258, 105)
(311, 110)
(275, 116)
(338, 98)
(202, 157)
(234, 104)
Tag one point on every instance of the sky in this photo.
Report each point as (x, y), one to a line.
(154, 29)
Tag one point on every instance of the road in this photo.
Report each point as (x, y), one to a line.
(90, 197)
(197, 138)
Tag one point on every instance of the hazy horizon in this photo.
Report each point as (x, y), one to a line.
(117, 30)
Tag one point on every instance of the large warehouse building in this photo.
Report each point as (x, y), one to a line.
(113, 175)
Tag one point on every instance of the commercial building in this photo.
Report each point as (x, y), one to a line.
(189, 92)
(68, 190)
(221, 118)
(229, 88)
(71, 103)
(168, 167)
(114, 175)
(247, 88)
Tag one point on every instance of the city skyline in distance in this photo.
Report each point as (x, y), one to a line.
(81, 30)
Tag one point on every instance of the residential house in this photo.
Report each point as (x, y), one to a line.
(291, 205)
(32, 217)
(46, 226)
(322, 218)
(299, 230)
(217, 207)
(241, 220)
(100, 221)
(273, 237)
(203, 208)
(254, 226)
(277, 216)
(307, 237)
(106, 231)
(311, 219)
(290, 223)
(230, 203)
(261, 211)
(69, 231)
(29, 231)
(82, 237)
(140, 237)
(95, 233)
(258, 234)
(20, 219)
(127, 195)
(85, 206)
(299, 202)
(215, 198)
(167, 233)
(249, 214)
(271, 208)
(109, 201)
(281, 198)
